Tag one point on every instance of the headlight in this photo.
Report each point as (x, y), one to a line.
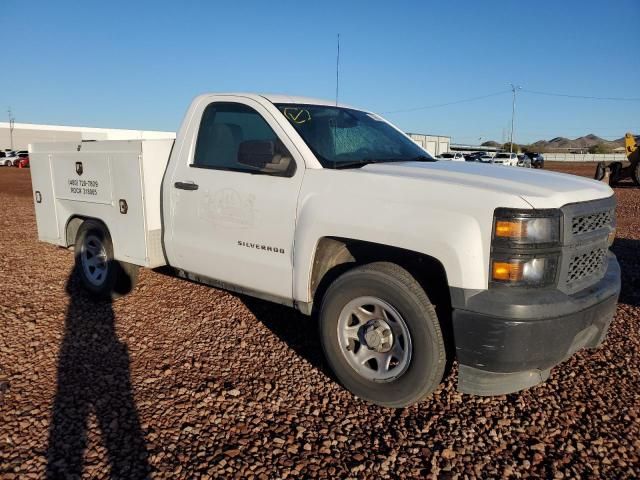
(526, 227)
(523, 270)
(524, 247)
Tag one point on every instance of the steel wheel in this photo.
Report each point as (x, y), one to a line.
(93, 257)
(374, 339)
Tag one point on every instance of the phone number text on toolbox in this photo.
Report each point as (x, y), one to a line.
(83, 187)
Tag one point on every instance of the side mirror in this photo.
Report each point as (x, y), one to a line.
(256, 153)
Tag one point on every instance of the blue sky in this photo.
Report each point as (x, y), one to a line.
(137, 64)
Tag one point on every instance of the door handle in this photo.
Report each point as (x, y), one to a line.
(186, 185)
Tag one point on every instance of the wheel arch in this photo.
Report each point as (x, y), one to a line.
(335, 255)
(73, 225)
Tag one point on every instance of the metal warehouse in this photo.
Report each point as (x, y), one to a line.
(434, 144)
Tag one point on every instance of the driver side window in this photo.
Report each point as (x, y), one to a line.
(235, 137)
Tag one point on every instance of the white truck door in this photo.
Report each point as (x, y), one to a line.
(233, 198)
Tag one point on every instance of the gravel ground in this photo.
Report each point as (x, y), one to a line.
(180, 380)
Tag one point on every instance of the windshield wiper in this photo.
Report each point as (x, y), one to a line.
(367, 161)
(422, 158)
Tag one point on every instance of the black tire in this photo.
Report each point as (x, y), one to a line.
(600, 171)
(395, 286)
(120, 277)
(635, 173)
(615, 170)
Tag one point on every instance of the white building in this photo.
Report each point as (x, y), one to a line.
(26, 133)
(434, 144)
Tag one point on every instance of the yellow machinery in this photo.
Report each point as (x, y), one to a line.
(615, 171)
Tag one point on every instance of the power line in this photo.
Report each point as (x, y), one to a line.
(465, 100)
(584, 97)
(534, 92)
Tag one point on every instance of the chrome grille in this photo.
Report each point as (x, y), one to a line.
(591, 222)
(586, 265)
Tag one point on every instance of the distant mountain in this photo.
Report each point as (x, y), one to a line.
(562, 144)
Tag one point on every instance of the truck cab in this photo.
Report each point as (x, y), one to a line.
(406, 262)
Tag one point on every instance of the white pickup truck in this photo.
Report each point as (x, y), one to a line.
(407, 261)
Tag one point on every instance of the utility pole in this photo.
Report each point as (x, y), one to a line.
(513, 113)
(12, 122)
(337, 70)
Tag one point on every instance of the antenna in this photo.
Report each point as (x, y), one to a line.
(338, 70)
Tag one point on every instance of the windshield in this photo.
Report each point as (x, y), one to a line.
(502, 155)
(343, 137)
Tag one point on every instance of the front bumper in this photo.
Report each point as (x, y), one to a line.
(508, 339)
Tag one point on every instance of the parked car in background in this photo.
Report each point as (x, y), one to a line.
(524, 160)
(454, 156)
(8, 158)
(22, 160)
(506, 158)
(473, 157)
(485, 158)
(537, 160)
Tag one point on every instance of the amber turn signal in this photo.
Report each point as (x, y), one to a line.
(507, 271)
(511, 229)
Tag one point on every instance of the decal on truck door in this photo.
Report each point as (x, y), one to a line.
(227, 207)
(259, 246)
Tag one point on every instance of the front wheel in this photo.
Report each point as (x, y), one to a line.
(381, 335)
(99, 272)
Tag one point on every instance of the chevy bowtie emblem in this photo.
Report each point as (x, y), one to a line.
(79, 168)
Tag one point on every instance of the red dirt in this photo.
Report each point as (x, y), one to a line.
(179, 380)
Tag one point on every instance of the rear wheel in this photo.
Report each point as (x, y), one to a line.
(99, 272)
(381, 335)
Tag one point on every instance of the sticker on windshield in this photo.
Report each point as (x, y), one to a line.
(297, 115)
